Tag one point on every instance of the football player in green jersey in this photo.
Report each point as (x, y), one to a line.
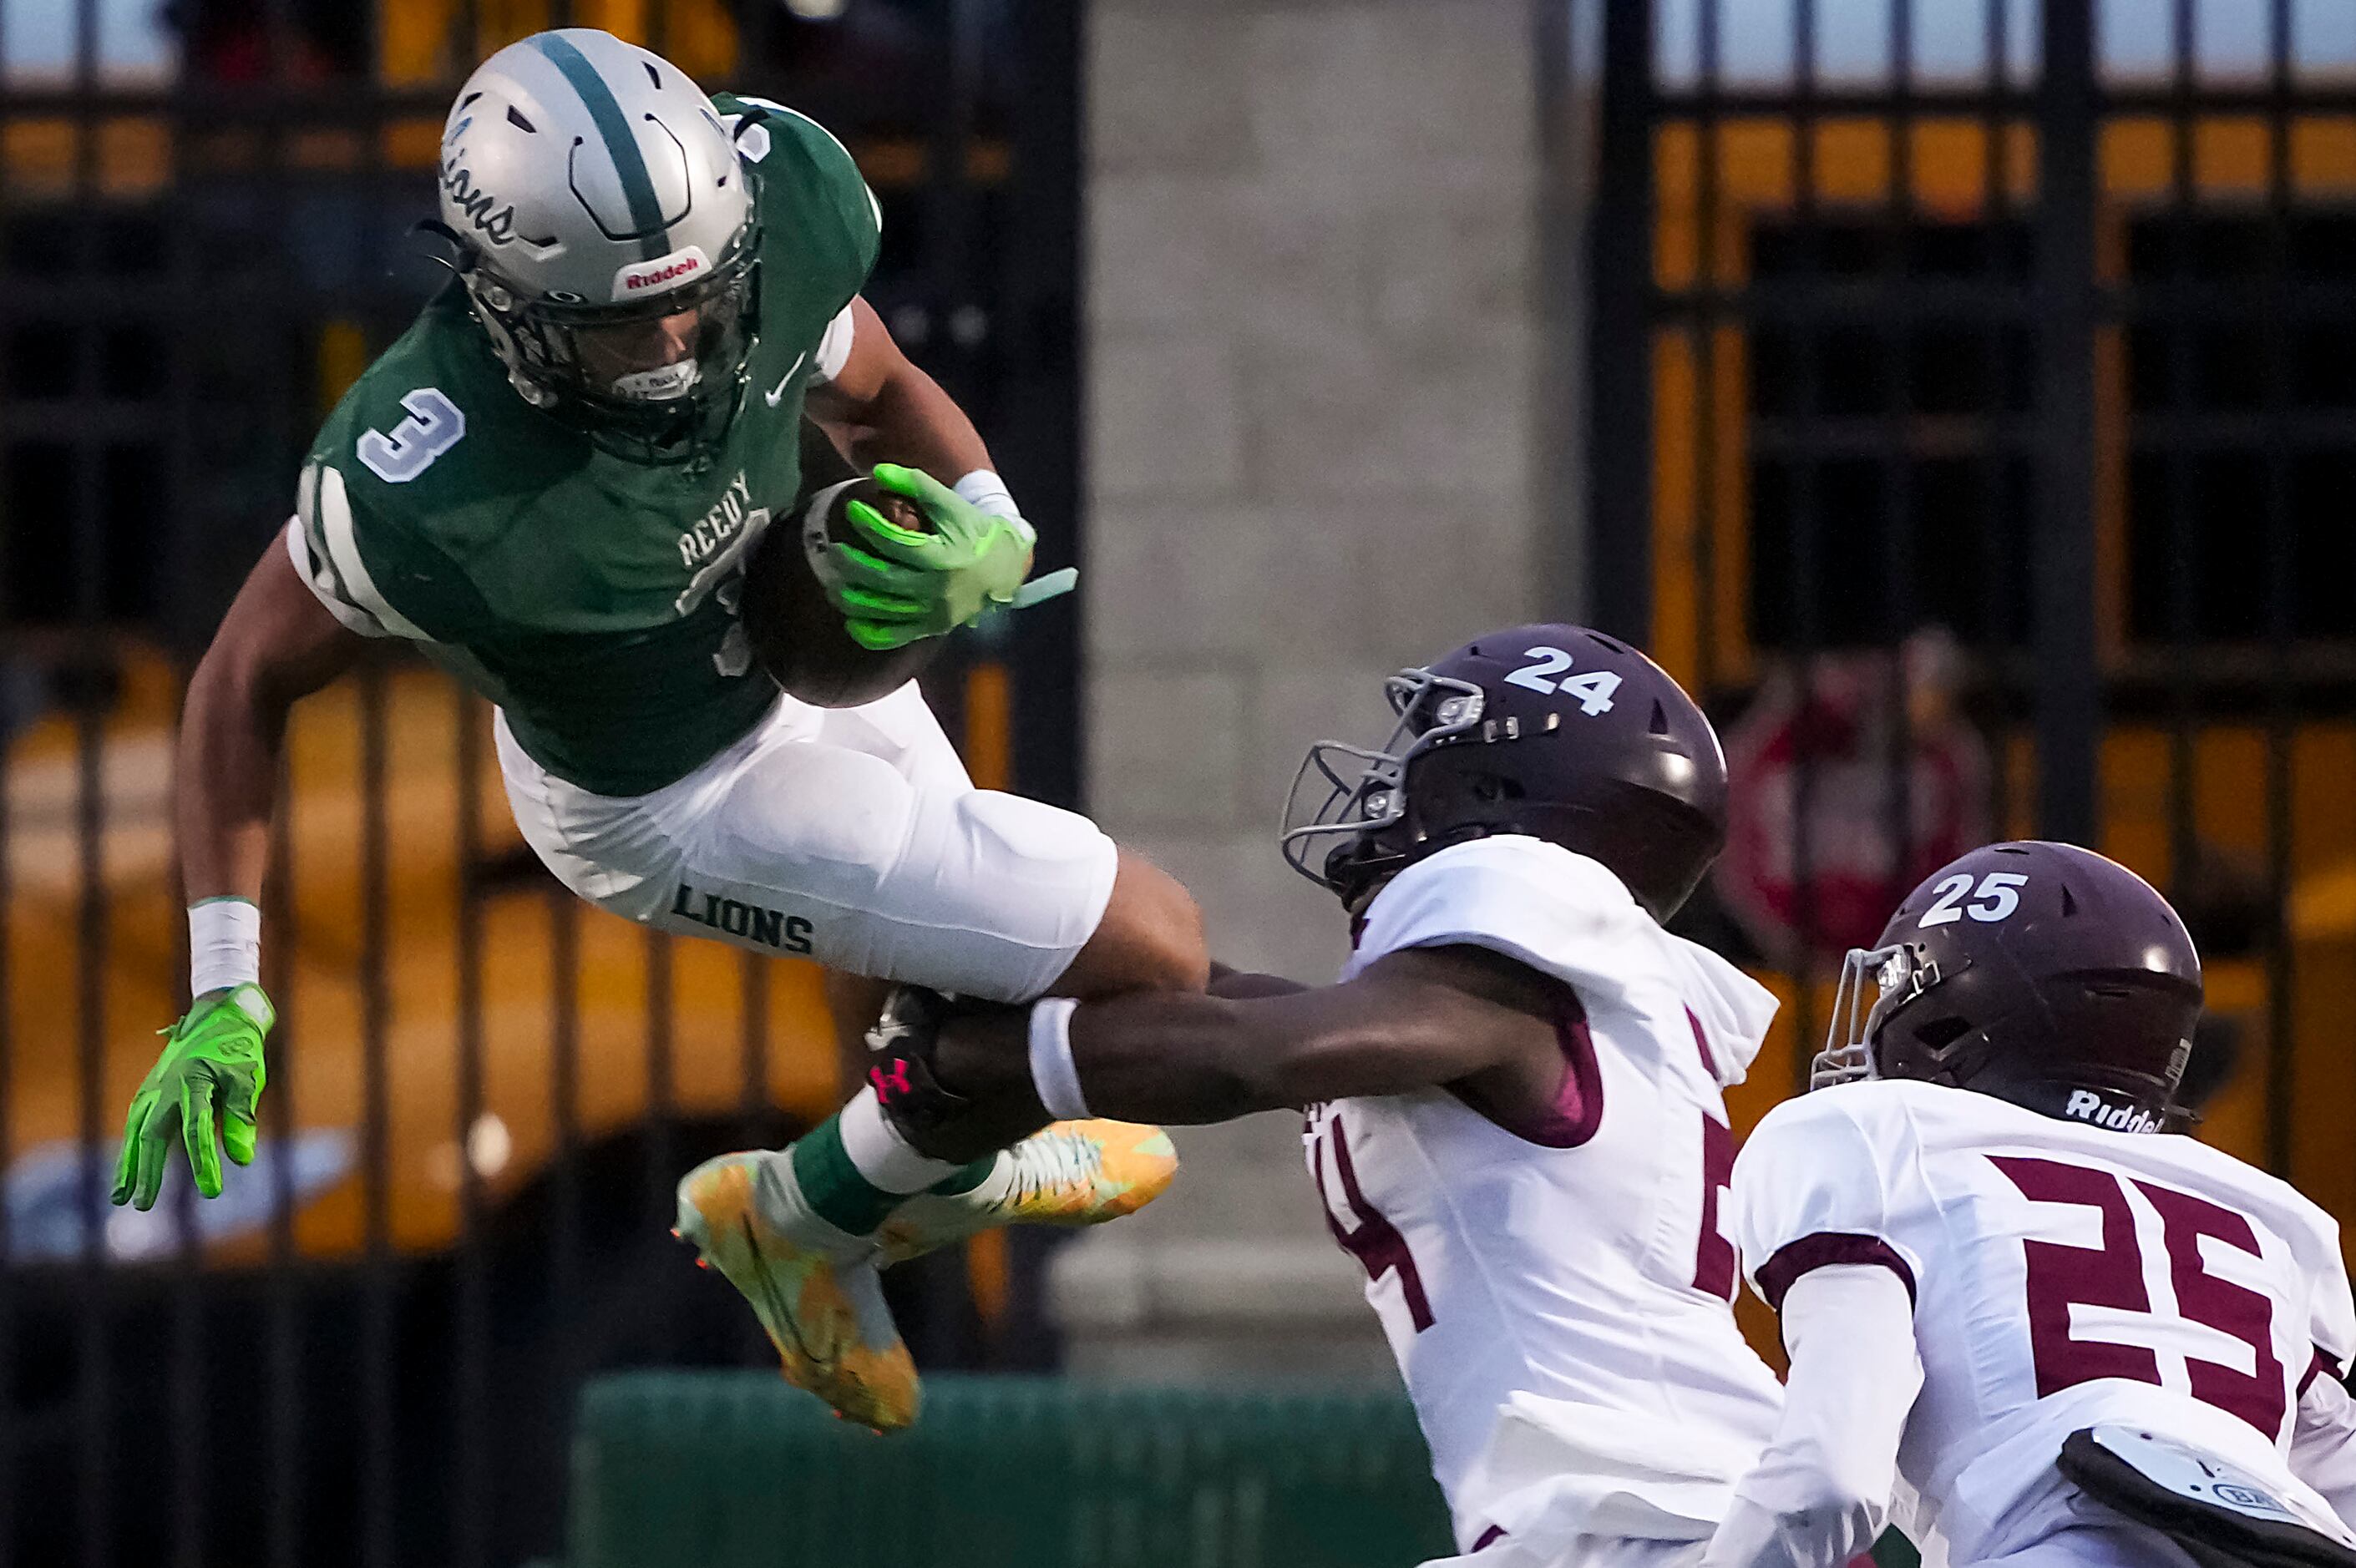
(551, 484)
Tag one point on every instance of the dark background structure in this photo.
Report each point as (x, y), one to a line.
(1962, 400)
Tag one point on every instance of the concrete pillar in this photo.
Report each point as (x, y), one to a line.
(1313, 357)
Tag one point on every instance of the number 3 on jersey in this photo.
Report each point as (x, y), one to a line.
(434, 426)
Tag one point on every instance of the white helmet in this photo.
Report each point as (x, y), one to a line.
(606, 234)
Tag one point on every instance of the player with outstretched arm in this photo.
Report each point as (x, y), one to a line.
(1515, 1095)
(553, 485)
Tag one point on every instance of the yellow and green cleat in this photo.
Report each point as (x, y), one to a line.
(1071, 1173)
(814, 1290)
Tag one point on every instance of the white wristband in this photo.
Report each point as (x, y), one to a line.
(224, 944)
(986, 492)
(1052, 1074)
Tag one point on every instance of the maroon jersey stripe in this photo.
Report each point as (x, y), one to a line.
(1827, 1249)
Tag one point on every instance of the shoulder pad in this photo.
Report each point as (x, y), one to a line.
(809, 182)
(1558, 912)
(1812, 1187)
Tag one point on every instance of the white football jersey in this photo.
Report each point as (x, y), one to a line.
(2062, 1274)
(1559, 1295)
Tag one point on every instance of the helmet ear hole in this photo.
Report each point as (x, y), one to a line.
(1489, 788)
(1940, 1033)
(1660, 717)
(2069, 902)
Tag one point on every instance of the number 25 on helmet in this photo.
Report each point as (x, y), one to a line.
(2042, 974)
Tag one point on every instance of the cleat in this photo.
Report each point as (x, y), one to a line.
(1072, 1173)
(816, 1294)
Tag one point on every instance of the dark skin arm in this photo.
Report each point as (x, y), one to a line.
(1459, 1017)
(1243, 984)
(276, 646)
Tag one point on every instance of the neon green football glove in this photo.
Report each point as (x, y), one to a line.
(912, 585)
(211, 1061)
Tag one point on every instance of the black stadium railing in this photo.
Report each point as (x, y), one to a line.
(481, 1094)
(2024, 327)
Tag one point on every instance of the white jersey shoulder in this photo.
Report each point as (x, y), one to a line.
(1567, 915)
(1558, 1294)
(2063, 1274)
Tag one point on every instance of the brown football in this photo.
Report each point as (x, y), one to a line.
(797, 635)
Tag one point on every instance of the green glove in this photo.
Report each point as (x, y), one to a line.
(914, 585)
(212, 1058)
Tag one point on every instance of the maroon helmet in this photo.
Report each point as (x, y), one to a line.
(2040, 973)
(1555, 732)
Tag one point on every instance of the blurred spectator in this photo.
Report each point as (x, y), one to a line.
(228, 41)
(1814, 858)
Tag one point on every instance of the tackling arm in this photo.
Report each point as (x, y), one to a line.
(1243, 984)
(1415, 1019)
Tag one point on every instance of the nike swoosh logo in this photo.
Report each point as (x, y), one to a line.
(775, 394)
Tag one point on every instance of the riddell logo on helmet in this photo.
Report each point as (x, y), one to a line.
(640, 279)
(2086, 1105)
(679, 269)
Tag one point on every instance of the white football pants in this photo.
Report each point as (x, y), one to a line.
(852, 836)
(2121, 1545)
(1580, 1551)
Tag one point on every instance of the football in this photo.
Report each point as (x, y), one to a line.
(797, 634)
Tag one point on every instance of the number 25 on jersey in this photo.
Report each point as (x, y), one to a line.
(2212, 1313)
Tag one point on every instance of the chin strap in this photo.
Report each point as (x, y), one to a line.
(462, 256)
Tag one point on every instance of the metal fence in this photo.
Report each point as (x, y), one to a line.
(1971, 422)
(481, 1090)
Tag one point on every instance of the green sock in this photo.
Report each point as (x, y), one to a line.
(833, 1186)
(966, 1180)
(838, 1194)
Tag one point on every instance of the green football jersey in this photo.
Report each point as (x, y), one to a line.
(592, 597)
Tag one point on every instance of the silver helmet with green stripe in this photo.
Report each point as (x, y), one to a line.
(607, 234)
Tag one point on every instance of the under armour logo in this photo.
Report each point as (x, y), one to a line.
(893, 1083)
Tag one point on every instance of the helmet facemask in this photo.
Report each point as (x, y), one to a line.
(606, 221)
(1898, 972)
(657, 377)
(1935, 1046)
(1363, 805)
